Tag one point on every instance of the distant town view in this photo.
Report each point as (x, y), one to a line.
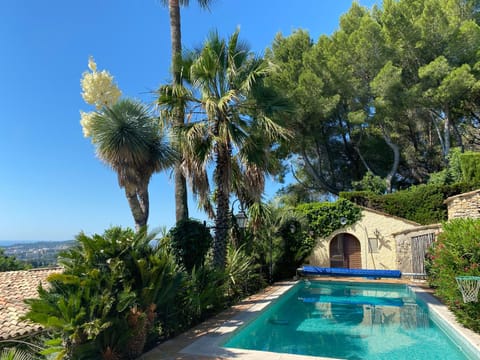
(37, 254)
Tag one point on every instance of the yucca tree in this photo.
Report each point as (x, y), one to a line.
(181, 203)
(230, 127)
(130, 141)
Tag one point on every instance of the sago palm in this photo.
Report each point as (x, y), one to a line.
(131, 142)
(230, 127)
(15, 354)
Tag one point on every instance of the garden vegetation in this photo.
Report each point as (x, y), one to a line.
(389, 101)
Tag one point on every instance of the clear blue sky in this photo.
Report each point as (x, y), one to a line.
(51, 184)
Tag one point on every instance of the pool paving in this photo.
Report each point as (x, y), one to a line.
(203, 341)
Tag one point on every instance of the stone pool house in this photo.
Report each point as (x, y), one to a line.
(382, 241)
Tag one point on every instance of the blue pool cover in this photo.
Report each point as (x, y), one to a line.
(368, 273)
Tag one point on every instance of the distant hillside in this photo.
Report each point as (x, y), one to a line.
(39, 253)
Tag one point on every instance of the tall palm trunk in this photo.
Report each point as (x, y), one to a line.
(181, 202)
(222, 181)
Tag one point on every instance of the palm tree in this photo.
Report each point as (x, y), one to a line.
(130, 141)
(181, 203)
(230, 126)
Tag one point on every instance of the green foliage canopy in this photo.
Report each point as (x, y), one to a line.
(9, 263)
(390, 93)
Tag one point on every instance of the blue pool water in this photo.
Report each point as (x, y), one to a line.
(348, 321)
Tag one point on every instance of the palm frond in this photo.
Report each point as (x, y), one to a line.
(272, 130)
(227, 99)
(15, 354)
(173, 96)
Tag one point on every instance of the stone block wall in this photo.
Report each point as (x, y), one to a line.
(465, 205)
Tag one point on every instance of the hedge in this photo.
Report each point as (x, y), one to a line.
(423, 204)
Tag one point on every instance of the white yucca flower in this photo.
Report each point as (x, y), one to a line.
(86, 120)
(98, 88)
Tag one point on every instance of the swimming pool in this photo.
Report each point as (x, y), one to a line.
(349, 321)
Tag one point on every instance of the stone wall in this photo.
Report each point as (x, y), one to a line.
(465, 205)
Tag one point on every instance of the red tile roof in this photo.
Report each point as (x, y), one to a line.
(15, 286)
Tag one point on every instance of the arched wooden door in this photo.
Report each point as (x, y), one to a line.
(345, 252)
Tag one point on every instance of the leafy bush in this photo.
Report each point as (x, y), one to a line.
(371, 182)
(242, 274)
(207, 290)
(203, 293)
(295, 247)
(452, 173)
(106, 302)
(470, 165)
(423, 204)
(456, 253)
(190, 241)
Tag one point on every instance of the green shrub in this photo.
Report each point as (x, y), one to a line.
(190, 241)
(242, 274)
(295, 246)
(202, 295)
(105, 304)
(371, 182)
(423, 204)
(452, 173)
(470, 165)
(456, 253)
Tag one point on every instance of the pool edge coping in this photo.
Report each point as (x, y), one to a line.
(443, 316)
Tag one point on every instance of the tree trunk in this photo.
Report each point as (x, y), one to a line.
(446, 135)
(181, 202)
(222, 181)
(396, 161)
(435, 116)
(144, 200)
(135, 207)
(458, 136)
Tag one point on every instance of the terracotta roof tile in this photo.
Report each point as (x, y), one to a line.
(16, 286)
